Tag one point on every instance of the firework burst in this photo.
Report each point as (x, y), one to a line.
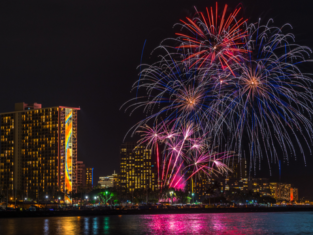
(224, 82)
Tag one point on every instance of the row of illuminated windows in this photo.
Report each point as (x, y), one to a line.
(141, 179)
(43, 117)
(42, 152)
(9, 151)
(40, 132)
(7, 155)
(7, 142)
(131, 163)
(38, 150)
(142, 171)
(46, 161)
(42, 181)
(7, 128)
(140, 147)
(47, 110)
(7, 117)
(36, 123)
(138, 180)
(37, 134)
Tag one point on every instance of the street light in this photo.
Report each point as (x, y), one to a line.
(95, 200)
(192, 197)
(47, 196)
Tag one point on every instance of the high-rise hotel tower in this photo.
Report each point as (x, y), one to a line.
(138, 168)
(38, 151)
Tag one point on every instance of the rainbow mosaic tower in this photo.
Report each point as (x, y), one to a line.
(38, 153)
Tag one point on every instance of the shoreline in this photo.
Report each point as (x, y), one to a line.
(19, 214)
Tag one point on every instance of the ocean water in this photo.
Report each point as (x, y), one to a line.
(212, 223)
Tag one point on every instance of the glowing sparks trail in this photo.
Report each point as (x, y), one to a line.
(212, 41)
(190, 150)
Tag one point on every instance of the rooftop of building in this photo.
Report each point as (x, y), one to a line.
(22, 107)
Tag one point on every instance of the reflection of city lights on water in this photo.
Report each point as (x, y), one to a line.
(106, 223)
(95, 225)
(46, 227)
(86, 225)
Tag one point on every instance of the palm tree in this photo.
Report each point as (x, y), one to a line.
(105, 196)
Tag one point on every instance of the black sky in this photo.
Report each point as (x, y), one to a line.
(85, 53)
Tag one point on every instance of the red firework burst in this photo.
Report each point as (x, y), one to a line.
(215, 39)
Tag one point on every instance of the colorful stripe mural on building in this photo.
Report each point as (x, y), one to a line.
(68, 150)
(67, 199)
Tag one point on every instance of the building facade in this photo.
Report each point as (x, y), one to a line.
(283, 192)
(108, 181)
(260, 185)
(138, 168)
(38, 151)
(233, 184)
(81, 175)
(237, 179)
(202, 186)
(89, 177)
(294, 196)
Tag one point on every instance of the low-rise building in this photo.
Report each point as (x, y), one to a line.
(232, 184)
(281, 191)
(260, 185)
(108, 181)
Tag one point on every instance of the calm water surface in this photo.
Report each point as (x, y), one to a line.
(227, 223)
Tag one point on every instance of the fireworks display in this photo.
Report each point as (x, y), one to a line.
(224, 86)
(185, 153)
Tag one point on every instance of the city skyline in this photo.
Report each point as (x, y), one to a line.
(49, 59)
(156, 117)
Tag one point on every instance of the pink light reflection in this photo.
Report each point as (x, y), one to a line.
(209, 223)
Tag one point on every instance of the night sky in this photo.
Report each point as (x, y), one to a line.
(85, 53)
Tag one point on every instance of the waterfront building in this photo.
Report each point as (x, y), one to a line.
(38, 151)
(260, 185)
(283, 192)
(237, 178)
(138, 169)
(108, 181)
(231, 184)
(81, 175)
(198, 186)
(294, 196)
(89, 178)
(274, 188)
